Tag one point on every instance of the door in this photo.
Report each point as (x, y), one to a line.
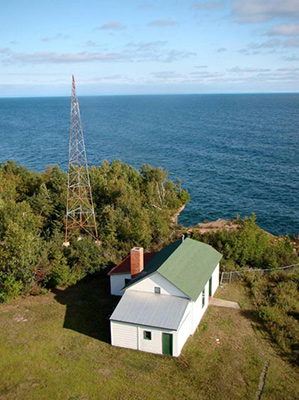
(167, 344)
(210, 287)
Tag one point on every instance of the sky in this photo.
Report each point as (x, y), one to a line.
(120, 47)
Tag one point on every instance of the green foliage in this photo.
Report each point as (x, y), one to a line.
(276, 297)
(132, 208)
(10, 287)
(250, 247)
(59, 273)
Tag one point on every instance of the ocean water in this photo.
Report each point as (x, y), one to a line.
(235, 153)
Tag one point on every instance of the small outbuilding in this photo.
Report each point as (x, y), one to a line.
(164, 296)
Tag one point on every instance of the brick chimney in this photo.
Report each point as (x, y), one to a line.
(136, 261)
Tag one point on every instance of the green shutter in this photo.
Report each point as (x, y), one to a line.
(210, 287)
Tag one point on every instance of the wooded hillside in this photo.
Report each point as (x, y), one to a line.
(133, 208)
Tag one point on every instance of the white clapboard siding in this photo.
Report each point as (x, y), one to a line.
(215, 280)
(117, 282)
(157, 280)
(124, 335)
(197, 309)
(152, 346)
(184, 332)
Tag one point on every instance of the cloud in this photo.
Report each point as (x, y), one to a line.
(221, 49)
(239, 70)
(209, 5)
(284, 30)
(292, 42)
(166, 75)
(139, 52)
(55, 37)
(274, 44)
(200, 66)
(161, 23)
(108, 78)
(289, 69)
(5, 50)
(112, 25)
(61, 58)
(268, 44)
(155, 51)
(145, 6)
(257, 11)
(292, 58)
(90, 43)
(143, 46)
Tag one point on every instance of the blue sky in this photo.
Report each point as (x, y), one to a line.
(148, 47)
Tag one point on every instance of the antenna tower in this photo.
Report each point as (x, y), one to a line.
(80, 214)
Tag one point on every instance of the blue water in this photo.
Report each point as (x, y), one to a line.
(235, 153)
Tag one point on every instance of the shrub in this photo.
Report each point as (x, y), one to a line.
(10, 287)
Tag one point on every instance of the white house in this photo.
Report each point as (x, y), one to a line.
(164, 301)
(130, 267)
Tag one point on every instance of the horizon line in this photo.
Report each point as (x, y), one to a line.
(148, 94)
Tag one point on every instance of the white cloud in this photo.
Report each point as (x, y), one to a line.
(292, 58)
(271, 44)
(292, 42)
(5, 50)
(161, 23)
(55, 37)
(289, 69)
(61, 58)
(90, 43)
(112, 25)
(268, 44)
(138, 52)
(284, 30)
(239, 70)
(143, 46)
(166, 75)
(256, 11)
(108, 78)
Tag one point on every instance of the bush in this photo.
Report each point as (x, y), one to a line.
(59, 273)
(9, 287)
(250, 247)
(276, 297)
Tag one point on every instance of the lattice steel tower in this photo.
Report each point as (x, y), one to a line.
(80, 216)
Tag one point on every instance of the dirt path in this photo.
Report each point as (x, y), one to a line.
(224, 303)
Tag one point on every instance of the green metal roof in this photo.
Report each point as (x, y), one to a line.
(187, 264)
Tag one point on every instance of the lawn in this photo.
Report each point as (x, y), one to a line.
(56, 346)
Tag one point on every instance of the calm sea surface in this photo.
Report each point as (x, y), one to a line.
(235, 153)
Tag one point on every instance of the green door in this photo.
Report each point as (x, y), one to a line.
(167, 344)
(210, 287)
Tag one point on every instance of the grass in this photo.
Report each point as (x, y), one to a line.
(56, 346)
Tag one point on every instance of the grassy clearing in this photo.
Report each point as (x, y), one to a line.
(57, 347)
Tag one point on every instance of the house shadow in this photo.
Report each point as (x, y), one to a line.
(88, 306)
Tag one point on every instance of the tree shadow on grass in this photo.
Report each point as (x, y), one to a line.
(88, 306)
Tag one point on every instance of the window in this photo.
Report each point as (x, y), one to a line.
(127, 280)
(147, 335)
(157, 289)
(203, 298)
